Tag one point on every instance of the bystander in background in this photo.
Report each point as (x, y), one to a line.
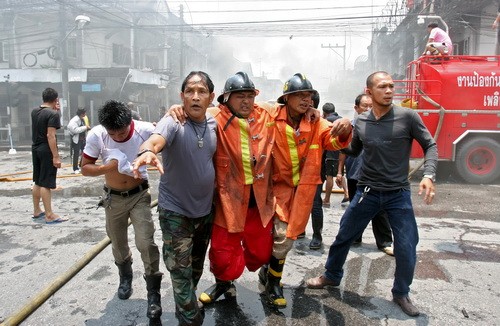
(45, 120)
(439, 41)
(78, 132)
(331, 160)
(496, 25)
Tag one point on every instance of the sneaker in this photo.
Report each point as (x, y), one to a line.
(302, 235)
(344, 202)
(388, 250)
(406, 305)
(76, 172)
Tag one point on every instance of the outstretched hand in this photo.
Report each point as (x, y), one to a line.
(147, 158)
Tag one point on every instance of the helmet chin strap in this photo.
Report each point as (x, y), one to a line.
(235, 114)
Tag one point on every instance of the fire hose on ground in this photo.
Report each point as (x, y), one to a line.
(442, 111)
(59, 282)
(9, 177)
(62, 279)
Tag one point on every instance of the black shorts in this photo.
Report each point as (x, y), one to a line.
(44, 171)
(331, 167)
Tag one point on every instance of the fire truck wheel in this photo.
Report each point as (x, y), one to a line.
(478, 160)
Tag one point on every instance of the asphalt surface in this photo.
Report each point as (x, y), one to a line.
(456, 281)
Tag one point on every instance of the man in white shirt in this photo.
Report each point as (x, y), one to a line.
(116, 141)
(77, 129)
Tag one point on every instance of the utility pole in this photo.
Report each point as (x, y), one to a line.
(332, 47)
(7, 85)
(64, 97)
(181, 42)
(7, 79)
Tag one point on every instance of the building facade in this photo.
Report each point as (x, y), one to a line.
(91, 52)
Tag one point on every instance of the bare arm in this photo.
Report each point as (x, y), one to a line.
(340, 172)
(90, 169)
(496, 22)
(51, 137)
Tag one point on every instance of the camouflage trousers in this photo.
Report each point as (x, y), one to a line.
(185, 243)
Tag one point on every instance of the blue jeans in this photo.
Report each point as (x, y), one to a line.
(399, 209)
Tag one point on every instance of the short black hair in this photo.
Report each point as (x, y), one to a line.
(49, 95)
(328, 107)
(315, 99)
(369, 79)
(136, 115)
(358, 98)
(114, 115)
(204, 77)
(80, 111)
(433, 25)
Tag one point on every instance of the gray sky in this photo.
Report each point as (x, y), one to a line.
(278, 50)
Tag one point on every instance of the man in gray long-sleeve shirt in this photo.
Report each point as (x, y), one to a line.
(386, 134)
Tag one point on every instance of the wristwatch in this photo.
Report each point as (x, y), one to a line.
(146, 150)
(430, 176)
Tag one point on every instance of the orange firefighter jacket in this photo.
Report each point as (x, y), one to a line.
(243, 162)
(297, 168)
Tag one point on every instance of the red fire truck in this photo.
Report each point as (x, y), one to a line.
(458, 98)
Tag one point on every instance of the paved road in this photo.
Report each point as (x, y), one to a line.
(456, 281)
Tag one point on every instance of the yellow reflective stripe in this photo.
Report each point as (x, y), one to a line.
(314, 146)
(245, 152)
(336, 144)
(275, 273)
(294, 154)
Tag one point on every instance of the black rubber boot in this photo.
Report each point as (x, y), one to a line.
(263, 275)
(317, 239)
(126, 275)
(196, 321)
(315, 243)
(153, 285)
(274, 289)
(215, 291)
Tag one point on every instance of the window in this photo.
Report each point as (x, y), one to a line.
(121, 54)
(4, 52)
(151, 62)
(71, 47)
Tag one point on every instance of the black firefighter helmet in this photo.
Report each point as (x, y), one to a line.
(315, 99)
(298, 83)
(236, 83)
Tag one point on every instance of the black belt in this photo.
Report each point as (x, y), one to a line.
(127, 193)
